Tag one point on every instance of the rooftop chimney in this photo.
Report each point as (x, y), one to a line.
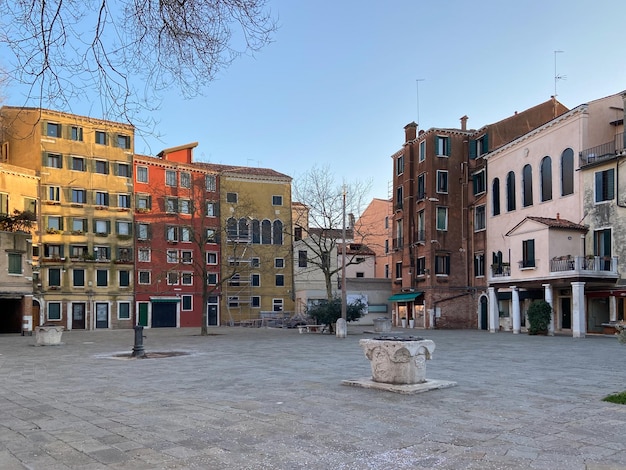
(558, 216)
(464, 123)
(410, 131)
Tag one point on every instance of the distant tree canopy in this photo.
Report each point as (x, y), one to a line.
(327, 312)
(19, 221)
(68, 49)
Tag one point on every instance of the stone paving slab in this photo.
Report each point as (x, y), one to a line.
(247, 398)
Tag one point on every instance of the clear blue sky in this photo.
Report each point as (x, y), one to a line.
(338, 84)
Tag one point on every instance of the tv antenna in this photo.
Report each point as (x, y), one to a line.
(557, 77)
(417, 84)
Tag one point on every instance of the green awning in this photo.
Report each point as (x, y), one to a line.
(165, 300)
(405, 297)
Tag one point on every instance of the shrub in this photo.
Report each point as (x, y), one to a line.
(327, 312)
(619, 398)
(539, 316)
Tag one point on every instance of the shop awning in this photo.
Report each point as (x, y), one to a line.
(164, 300)
(405, 297)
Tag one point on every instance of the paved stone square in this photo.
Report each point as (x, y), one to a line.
(258, 398)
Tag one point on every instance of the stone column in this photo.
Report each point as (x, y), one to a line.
(547, 289)
(493, 310)
(517, 322)
(579, 329)
(612, 308)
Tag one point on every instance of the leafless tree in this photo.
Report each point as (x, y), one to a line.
(320, 225)
(68, 50)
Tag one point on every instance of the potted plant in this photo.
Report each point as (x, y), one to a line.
(403, 320)
(411, 323)
(539, 316)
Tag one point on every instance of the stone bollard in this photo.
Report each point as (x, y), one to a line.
(138, 350)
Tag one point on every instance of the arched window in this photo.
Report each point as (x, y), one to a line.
(527, 184)
(510, 191)
(546, 179)
(495, 197)
(266, 232)
(256, 231)
(231, 228)
(567, 172)
(243, 229)
(277, 236)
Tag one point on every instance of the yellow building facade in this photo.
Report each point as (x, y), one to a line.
(83, 248)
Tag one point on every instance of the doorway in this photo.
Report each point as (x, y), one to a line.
(78, 316)
(102, 315)
(484, 322)
(164, 314)
(566, 313)
(212, 310)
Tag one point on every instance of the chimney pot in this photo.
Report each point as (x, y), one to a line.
(464, 123)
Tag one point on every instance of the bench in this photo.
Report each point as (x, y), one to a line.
(311, 328)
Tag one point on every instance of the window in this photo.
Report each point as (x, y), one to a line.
(15, 263)
(124, 254)
(76, 133)
(231, 197)
(442, 145)
(123, 200)
(102, 198)
(79, 196)
(143, 255)
(123, 227)
(420, 266)
(212, 279)
(266, 232)
(386, 247)
(184, 206)
(442, 265)
(101, 137)
(185, 234)
(79, 226)
(78, 277)
(528, 254)
(102, 253)
(102, 227)
(255, 301)
(211, 235)
(399, 270)
(171, 205)
(479, 264)
(442, 218)
(78, 164)
(172, 278)
(421, 226)
(54, 193)
(54, 311)
(302, 259)
(55, 223)
(187, 302)
(123, 311)
(255, 262)
(422, 151)
(102, 167)
(602, 247)
(53, 129)
(386, 271)
(171, 233)
(186, 257)
(142, 174)
(78, 251)
(30, 205)
(143, 202)
(54, 277)
(399, 241)
(527, 185)
(421, 186)
(144, 277)
(277, 305)
(495, 197)
(255, 280)
(143, 231)
(277, 200)
(546, 179)
(124, 278)
(211, 209)
(479, 183)
(102, 277)
(279, 262)
(400, 165)
(605, 185)
(480, 218)
(172, 256)
(233, 301)
(186, 279)
(170, 178)
(52, 251)
(55, 160)
(567, 172)
(510, 191)
(123, 141)
(399, 197)
(185, 179)
(210, 182)
(123, 169)
(211, 257)
(280, 280)
(277, 232)
(442, 181)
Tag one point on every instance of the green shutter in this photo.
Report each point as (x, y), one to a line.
(44, 158)
(67, 194)
(610, 183)
(448, 146)
(486, 143)
(472, 149)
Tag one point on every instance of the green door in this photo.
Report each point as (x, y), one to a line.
(143, 314)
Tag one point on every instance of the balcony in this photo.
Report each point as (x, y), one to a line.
(501, 270)
(603, 152)
(600, 266)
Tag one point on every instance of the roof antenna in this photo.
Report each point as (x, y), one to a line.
(557, 77)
